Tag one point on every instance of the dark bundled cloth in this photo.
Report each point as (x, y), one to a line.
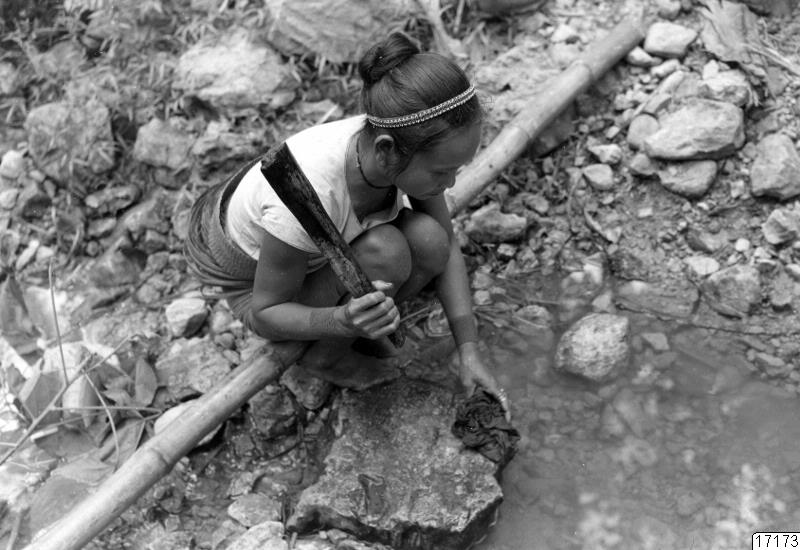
(481, 425)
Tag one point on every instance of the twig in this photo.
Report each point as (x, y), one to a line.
(55, 321)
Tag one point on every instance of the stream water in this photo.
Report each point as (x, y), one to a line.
(688, 449)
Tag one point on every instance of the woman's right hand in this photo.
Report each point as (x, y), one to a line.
(370, 316)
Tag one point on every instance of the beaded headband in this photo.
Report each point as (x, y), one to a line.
(425, 114)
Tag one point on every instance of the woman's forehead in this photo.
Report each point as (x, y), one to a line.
(456, 150)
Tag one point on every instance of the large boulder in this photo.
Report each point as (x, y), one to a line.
(595, 347)
(235, 74)
(338, 30)
(397, 475)
(776, 169)
(65, 138)
(701, 129)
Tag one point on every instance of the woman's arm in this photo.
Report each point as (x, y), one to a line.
(452, 288)
(277, 315)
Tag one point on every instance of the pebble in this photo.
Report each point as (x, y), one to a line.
(642, 165)
(640, 58)
(641, 127)
(702, 265)
(8, 198)
(564, 33)
(668, 39)
(742, 245)
(607, 154)
(599, 176)
(666, 68)
(668, 9)
(12, 165)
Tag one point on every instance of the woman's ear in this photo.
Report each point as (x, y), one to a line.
(386, 155)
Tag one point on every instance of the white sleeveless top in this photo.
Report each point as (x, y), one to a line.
(320, 152)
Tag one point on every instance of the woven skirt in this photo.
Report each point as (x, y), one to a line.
(213, 258)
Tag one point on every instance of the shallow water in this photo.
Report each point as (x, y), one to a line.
(686, 449)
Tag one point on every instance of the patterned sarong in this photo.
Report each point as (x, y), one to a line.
(212, 256)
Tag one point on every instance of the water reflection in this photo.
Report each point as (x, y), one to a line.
(687, 449)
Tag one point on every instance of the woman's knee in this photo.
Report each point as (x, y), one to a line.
(428, 241)
(384, 253)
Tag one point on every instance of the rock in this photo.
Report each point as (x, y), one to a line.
(185, 316)
(162, 143)
(782, 291)
(219, 145)
(12, 165)
(254, 508)
(668, 39)
(641, 165)
(607, 154)
(702, 265)
(691, 179)
(398, 476)
(776, 169)
(668, 9)
(564, 54)
(310, 391)
(782, 226)
(734, 291)
(61, 61)
(641, 127)
(656, 340)
(264, 536)
(273, 412)
(556, 133)
(705, 241)
(112, 199)
(489, 225)
(190, 367)
(728, 86)
(338, 29)
(700, 129)
(32, 202)
(640, 58)
(564, 33)
(665, 69)
(63, 138)
(595, 347)
(235, 75)
(779, 8)
(599, 176)
(9, 79)
(8, 198)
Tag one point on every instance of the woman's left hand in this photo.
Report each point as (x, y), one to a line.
(473, 373)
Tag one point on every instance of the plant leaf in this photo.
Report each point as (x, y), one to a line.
(146, 383)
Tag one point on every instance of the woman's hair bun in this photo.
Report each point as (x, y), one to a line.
(392, 52)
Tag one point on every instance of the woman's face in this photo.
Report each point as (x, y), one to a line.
(432, 171)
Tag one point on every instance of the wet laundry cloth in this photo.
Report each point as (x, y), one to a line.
(481, 425)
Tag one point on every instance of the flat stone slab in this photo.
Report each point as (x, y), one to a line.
(397, 475)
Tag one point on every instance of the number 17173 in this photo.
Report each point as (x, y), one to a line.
(775, 541)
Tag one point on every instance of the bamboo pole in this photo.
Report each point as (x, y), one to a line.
(542, 109)
(159, 455)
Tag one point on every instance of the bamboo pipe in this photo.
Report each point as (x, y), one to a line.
(542, 109)
(159, 455)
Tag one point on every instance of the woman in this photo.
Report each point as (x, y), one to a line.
(422, 123)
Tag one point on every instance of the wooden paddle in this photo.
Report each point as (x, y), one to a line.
(292, 186)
